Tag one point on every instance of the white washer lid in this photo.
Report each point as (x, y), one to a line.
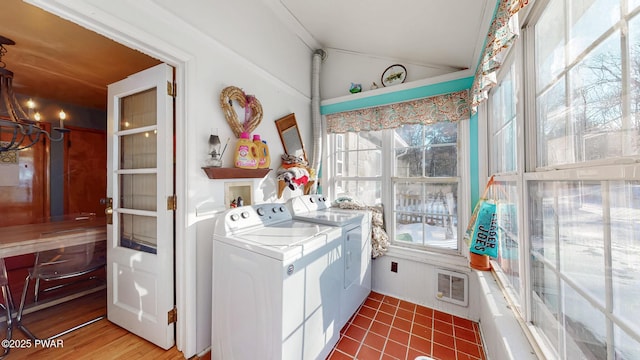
(284, 234)
(330, 217)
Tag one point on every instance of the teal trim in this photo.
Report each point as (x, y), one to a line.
(446, 87)
(473, 160)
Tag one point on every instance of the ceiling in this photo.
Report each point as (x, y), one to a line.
(62, 61)
(59, 60)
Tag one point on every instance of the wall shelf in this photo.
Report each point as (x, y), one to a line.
(234, 173)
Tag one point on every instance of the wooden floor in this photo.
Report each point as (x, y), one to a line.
(100, 340)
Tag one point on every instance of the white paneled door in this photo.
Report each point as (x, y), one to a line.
(140, 255)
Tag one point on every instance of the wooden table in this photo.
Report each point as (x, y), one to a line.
(31, 238)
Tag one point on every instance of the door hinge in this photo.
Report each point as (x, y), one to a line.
(172, 316)
(171, 89)
(172, 202)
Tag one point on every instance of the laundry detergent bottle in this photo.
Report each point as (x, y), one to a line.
(267, 157)
(263, 152)
(246, 155)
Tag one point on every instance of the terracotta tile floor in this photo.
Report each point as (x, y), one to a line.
(389, 328)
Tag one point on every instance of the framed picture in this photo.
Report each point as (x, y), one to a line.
(394, 74)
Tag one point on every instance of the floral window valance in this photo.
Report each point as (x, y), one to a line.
(448, 107)
(502, 33)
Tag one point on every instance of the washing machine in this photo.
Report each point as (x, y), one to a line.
(276, 285)
(356, 244)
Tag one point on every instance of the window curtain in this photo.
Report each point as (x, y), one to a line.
(502, 33)
(448, 107)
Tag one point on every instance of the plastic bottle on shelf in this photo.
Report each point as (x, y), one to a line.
(246, 155)
(263, 152)
(267, 157)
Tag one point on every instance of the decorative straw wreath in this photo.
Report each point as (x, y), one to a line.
(251, 105)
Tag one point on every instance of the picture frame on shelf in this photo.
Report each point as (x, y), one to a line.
(393, 75)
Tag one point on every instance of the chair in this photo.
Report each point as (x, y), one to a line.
(75, 262)
(7, 305)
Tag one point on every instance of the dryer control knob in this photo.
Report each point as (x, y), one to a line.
(323, 199)
(260, 211)
(274, 209)
(281, 209)
(312, 199)
(244, 214)
(234, 217)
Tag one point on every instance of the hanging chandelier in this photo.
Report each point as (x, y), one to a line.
(17, 130)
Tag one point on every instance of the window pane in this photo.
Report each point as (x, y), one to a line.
(546, 301)
(580, 230)
(502, 126)
(507, 211)
(426, 150)
(363, 163)
(589, 20)
(625, 346)
(426, 214)
(554, 143)
(625, 251)
(367, 192)
(584, 328)
(543, 220)
(549, 44)
(630, 141)
(596, 104)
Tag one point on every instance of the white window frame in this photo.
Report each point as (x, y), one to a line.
(387, 196)
(617, 169)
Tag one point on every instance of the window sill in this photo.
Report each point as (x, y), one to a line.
(428, 257)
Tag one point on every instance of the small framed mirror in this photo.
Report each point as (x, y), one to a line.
(290, 136)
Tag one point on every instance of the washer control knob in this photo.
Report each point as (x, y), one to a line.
(290, 269)
(234, 217)
(244, 214)
(323, 199)
(312, 199)
(281, 209)
(260, 211)
(274, 209)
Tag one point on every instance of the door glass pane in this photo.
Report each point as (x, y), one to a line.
(138, 110)
(138, 151)
(138, 232)
(138, 191)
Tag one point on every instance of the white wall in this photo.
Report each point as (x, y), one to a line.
(341, 68)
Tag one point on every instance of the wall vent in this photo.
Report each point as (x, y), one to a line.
(452, 287)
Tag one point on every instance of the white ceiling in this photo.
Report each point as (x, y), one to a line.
(423, 32)
(52, 55)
